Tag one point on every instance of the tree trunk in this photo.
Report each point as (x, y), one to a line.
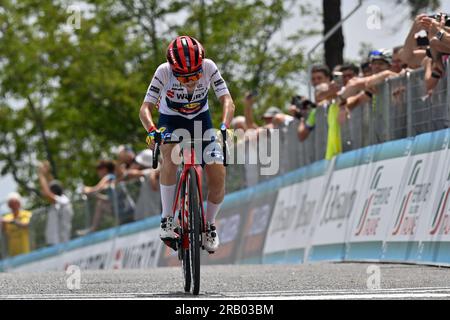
(334, 47)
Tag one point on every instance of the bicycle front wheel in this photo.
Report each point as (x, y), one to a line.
(195, 225)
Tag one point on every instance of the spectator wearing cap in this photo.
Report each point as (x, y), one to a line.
(60, 214)
(106, 173)
(15, 226)
(361, 90)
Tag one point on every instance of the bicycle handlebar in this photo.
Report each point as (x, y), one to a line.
(159, 141)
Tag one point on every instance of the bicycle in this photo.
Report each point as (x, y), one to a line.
(191, 214)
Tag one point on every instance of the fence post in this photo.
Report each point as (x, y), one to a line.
(409, 128)
(447, 102)
(115, 204)
(386, 111)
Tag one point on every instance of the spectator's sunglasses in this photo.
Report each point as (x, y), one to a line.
(190, 78)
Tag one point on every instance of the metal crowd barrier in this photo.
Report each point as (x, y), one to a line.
(400, 109)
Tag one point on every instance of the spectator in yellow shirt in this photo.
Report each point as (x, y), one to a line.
(15, 227)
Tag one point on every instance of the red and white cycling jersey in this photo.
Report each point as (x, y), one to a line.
(173, 97)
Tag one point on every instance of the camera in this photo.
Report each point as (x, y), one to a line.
(422, 41)
(302, 104)
(441, 16)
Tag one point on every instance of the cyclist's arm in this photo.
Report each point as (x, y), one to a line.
(228, 109)
(145, 114)
(160, 78)
(221, 90)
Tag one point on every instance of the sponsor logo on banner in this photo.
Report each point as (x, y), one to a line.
(305, 212)
(440, 224)
(136, 256)
(377, 199)
(413, 199)
(339, 205)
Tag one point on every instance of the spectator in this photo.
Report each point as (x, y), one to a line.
(105, 171)
(438, 35)
(59, 220)
(411, 54)
(397, 63)
(322, 81)
(361, 90)
(126, 156)
(366, 70)
(349, 71)
(143, 167)
(239, 123)
(304, 110)
(15, 226)
(273, 117)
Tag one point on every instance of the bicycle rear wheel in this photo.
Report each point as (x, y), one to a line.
(195, 225)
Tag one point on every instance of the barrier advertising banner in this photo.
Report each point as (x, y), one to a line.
(388, 202)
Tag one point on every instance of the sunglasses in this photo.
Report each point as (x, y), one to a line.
(192, 78)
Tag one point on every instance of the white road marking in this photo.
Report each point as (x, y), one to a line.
(404, 293)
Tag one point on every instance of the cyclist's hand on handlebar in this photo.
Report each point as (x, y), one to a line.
(151, 137)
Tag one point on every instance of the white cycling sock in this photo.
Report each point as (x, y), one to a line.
(211, 211)
(167, 198)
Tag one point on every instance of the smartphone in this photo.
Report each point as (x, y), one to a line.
(338, 77)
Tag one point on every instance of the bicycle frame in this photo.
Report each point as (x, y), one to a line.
(188, 163)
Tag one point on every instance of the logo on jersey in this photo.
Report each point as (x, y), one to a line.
(155, 89)
(218, 82)
(170, 94)
(191, 108)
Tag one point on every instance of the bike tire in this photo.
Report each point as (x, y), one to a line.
(195, 230)
(185, 254)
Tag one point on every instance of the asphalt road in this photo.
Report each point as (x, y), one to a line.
(312, 281)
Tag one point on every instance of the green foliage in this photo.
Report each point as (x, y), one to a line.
(70, 95)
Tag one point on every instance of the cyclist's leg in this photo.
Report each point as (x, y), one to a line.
(215, 179)
(167, 180)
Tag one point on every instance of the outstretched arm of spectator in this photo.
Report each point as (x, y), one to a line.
(45, 189)
(376, 79)
(354, 87)
(408, 54)
(248, 111)
(329, 94)
(102, 184)
(357, 100)
(132, 174)
(430, 81)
